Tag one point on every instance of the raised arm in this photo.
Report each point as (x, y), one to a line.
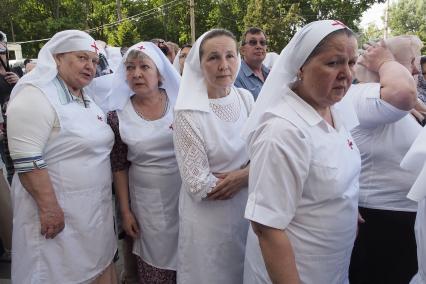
(398, 87)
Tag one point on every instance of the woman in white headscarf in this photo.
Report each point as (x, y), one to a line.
(212, 158)
(385, 248)
(145, 170)
(304, 163)
(415, 161)
(63, 229)
(179, 61)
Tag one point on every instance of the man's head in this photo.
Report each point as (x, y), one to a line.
(253, 46)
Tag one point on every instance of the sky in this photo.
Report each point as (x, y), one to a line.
(374, 15)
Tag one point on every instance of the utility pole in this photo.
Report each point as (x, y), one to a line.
(192, 20)
(13, 32)
(118, 6)
(385, 35)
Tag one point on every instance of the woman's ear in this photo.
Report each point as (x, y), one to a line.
(58, 58)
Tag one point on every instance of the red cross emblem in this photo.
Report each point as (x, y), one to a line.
(350, 144)
(100, 118)
(171, 126)
(95, 47)
(141, 47)
(338, 23)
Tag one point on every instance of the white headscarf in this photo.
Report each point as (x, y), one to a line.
(46, 68)
(193, 90)
(415, 161)
(120, 91)
(176, 63)
(285, 71)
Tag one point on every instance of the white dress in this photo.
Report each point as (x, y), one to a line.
(304, 180)
(77, 159)
(154, 185)
(384, 135)
(212, 234)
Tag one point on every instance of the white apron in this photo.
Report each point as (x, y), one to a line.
(80, 172)
(420, 230)
(213, 233)
(322, 232)
(154, 184)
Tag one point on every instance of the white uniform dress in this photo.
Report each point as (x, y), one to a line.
(77, 159)
(383, 183)
(154, 185)
(304, 180)
(212, 234)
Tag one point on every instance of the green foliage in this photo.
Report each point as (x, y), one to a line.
(281, 18)
(169, 19)
(371, 33)
(409, 17)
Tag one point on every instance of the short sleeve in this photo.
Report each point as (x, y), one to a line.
(371, 110)
(280, 160)
(118, 154)
(30, 120)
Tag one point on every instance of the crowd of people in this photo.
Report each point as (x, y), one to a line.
(224, 166)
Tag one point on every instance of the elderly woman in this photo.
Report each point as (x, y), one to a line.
(212, 159)
(143, 160)
(304, 163)
(385, 249)
(63, 230)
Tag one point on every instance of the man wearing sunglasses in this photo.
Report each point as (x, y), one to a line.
(252, 72)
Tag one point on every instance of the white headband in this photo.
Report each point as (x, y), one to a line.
(285, 70)
(120, 91)
(46, 68)
(193, 90)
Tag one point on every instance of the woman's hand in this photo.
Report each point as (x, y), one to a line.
(375, 56)
(51, 220)
(130, 225)
(229, 184)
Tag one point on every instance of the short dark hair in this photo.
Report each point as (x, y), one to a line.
(423, 60)
(320, 46)
(216, 33)
(186, 45)
(252, 31)
(26, 61)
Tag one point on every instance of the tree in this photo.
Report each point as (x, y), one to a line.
(281, 18)
(126, 35)
(372, 32)
(409, 17)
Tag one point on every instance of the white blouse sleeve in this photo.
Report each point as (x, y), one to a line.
(372, 111)
(30, 119)
(191, 156)
(280, 160)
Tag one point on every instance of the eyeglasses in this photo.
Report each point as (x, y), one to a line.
(253, 42)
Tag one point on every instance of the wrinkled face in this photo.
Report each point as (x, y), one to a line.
(142, 75)
(182, 57)
(326, 77)
(254, 48)
(219, 62)
(77, 68)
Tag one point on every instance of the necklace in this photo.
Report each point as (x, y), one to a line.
(163, 113)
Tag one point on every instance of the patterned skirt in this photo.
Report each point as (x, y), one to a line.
(149, 274)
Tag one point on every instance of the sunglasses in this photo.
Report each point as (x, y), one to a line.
(253, 42)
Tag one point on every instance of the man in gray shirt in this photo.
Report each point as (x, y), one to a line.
(252, 73)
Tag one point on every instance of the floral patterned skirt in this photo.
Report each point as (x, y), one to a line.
(152, 275)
